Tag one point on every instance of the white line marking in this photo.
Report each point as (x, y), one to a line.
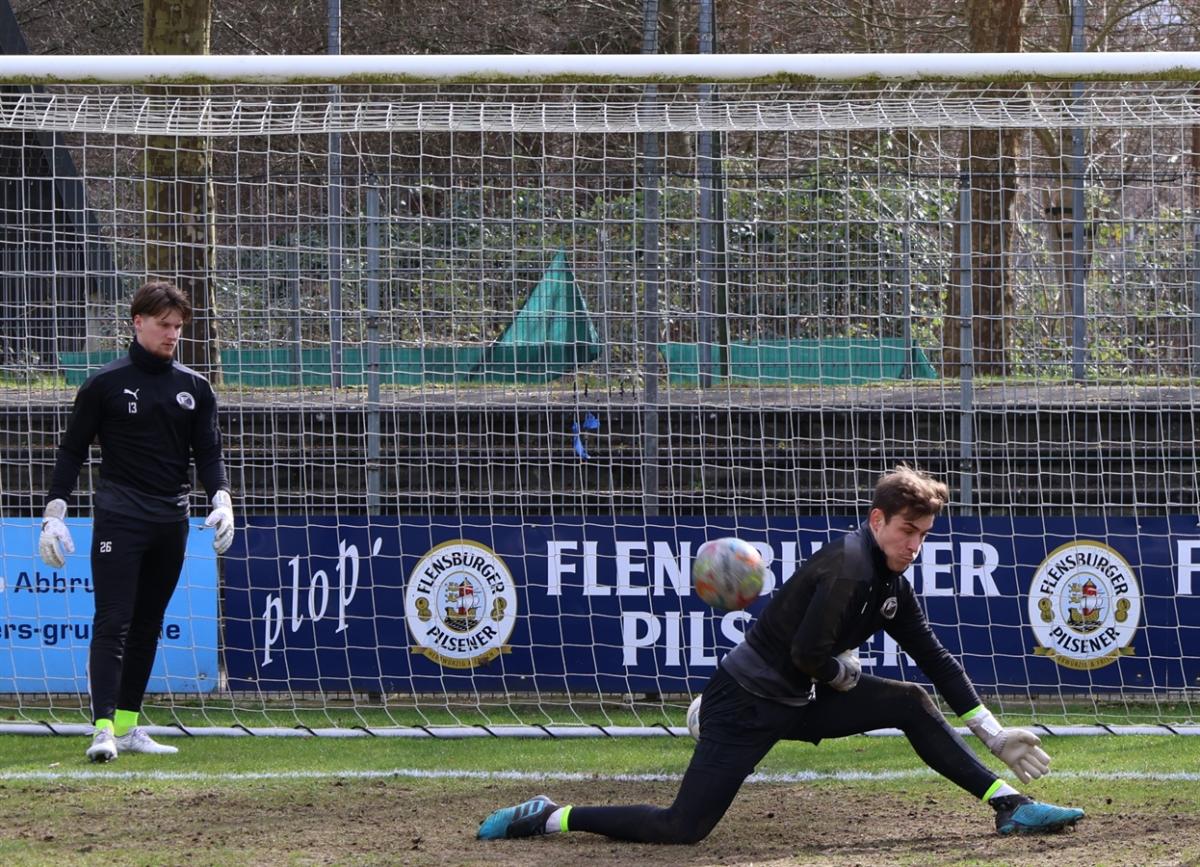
(529, 776)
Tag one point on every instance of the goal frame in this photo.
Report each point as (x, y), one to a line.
(597, 68)
(198, 71)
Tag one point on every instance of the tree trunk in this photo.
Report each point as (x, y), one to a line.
(988, 156)
(180, 226)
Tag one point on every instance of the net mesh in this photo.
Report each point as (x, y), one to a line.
(573, 330)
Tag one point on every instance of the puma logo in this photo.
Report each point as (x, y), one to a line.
(133, 391)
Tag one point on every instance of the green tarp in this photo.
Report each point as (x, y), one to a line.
(550, 337)
(829, 361)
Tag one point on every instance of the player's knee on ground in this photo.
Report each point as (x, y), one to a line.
(675, 827)
(688, 833)
(683, 826)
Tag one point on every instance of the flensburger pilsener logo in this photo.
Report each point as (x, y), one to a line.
(1084, 605)
(460, 604)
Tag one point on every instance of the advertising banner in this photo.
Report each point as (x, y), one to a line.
(46, 616)
(606, 605)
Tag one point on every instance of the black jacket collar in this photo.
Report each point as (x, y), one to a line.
(145, 360)
(878, 558)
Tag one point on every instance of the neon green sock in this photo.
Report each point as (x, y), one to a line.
(123, 721)
(993, 790)
(104, 724)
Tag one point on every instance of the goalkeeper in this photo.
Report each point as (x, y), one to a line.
(152, 416)
(797, 677)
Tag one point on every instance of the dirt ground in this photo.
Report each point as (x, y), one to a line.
(406, 823)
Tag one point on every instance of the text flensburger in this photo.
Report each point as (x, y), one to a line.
(479, 604)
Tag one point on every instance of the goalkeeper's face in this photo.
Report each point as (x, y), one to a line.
(900, 536)
(158, 333)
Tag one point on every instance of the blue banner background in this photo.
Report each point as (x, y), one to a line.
(297, 618)
(46, 616)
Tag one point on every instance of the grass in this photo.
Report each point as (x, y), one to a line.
(1074, 757)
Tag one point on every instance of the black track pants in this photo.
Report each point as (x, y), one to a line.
(135, 567)
(739, 729)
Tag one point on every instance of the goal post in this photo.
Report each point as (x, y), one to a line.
(492, 374)
(637, 69)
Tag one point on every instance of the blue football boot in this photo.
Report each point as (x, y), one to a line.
(1018, 814)
(527, 819)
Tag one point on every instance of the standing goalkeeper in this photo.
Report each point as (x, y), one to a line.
(151, 416)
(797, 677)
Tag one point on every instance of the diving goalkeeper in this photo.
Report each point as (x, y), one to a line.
(797, 677)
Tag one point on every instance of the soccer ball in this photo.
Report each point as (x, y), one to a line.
(728, 573)
(693, 718)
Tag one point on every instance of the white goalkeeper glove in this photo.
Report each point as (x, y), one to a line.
(221, 517)
(55, 542)
(849, 670)
(1020, 749)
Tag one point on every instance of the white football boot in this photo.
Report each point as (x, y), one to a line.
(104, 746)
(136, 740)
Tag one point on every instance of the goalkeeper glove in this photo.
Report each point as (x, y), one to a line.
(1020, 749)
(55, 542)
(221, 517)
(849, 670)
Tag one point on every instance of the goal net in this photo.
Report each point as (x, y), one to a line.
(496, 351)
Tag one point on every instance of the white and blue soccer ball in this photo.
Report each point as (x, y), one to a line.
(728, 573)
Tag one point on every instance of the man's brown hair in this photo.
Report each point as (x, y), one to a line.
(910, 492)
(159, 295)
